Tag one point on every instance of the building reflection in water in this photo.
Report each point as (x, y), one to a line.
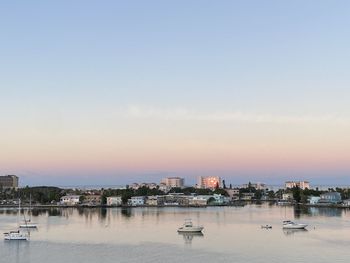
(188, 237)
(126, 212)
(318, 211)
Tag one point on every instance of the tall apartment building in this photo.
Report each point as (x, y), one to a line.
(173, 182)
(301, 184)
(9, 181)
(210, 182)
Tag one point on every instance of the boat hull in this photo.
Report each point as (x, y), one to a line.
(193, 229)
(28, 226)
(16, 236)
(298, 226)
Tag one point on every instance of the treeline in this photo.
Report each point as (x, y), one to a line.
(38, 194)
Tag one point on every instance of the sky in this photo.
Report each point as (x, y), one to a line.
(115, 92)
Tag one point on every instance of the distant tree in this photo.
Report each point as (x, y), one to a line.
(258, 194)
(271, 194)
(211, 200)
(82, 199)
(296, 194)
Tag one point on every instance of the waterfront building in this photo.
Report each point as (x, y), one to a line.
(172, 182)
(209, 182)
(70, 200)
(301, 184)
(247, 196)
(313, 200)
(198, 201)
(233, 193)
(219, 199)
(155, 200)
(346, 202)
(177, 199)
(114, 201)
(287, 197)
(92, 199)
(330, 198)
(137, 200)
(9, 181)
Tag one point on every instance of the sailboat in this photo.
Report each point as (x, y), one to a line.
(17, 234)
(28, 223)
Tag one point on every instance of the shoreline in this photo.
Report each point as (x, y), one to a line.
(237, 204)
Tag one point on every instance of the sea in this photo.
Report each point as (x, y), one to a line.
(149, 234)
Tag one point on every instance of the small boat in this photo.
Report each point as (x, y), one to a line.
(189, 227)
(16, 235)
(266, 226)
(28, 223)
(291, 225)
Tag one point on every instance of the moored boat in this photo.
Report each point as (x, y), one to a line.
(16, 235)
(189, 227)
(287, 224)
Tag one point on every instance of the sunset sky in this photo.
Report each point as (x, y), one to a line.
(112, 92)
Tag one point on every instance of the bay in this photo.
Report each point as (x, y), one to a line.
(231, 234)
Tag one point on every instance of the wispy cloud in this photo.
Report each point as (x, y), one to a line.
(135, 111)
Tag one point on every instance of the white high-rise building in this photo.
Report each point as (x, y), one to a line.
(173, 182)
(210, 182)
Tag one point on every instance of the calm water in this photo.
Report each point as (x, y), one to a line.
(231, 234)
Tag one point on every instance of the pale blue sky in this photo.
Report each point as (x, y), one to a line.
(73, 69)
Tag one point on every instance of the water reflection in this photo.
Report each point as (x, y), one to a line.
(188, 237)
(290, 232)
(16, 248)
(317, 211)
(325, 211)
(126, 212)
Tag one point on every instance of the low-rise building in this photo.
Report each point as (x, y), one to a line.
(313, 200)
(155, 200)
(330, 198)
(137, 201)
(346, 202)
(92, 199)
(247, 196)
(198, 201)
(177, 199)
(70, 200)
(287, 197)
(114, 201)
(233, 193)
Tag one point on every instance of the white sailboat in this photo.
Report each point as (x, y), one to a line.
(17, 234)
(28, 223)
